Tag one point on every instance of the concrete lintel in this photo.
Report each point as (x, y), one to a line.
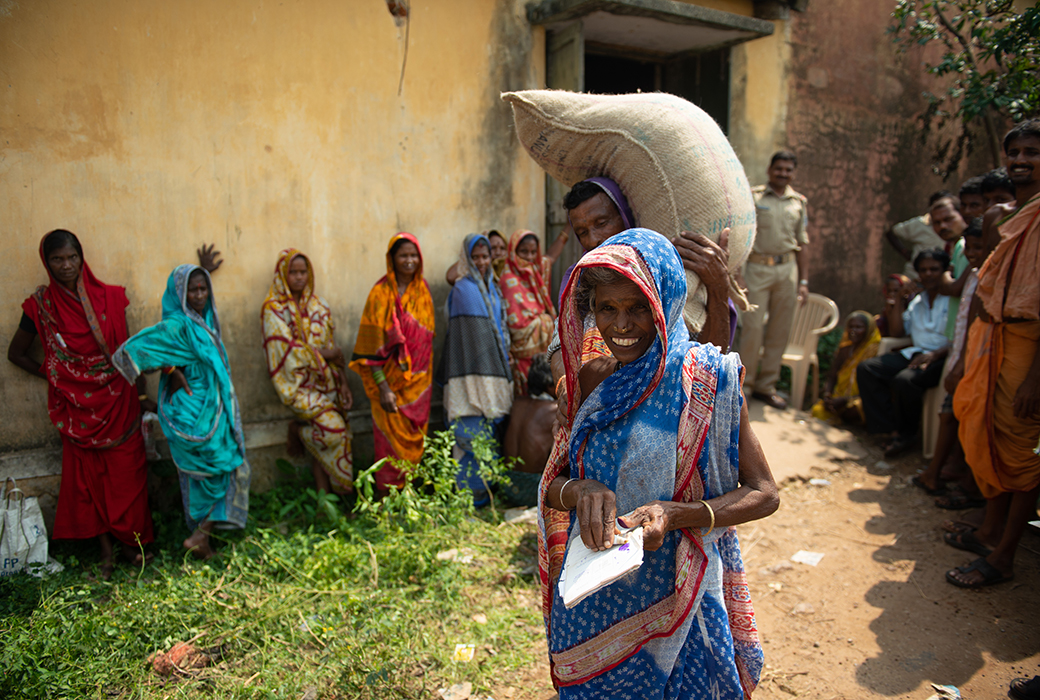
(552, 11)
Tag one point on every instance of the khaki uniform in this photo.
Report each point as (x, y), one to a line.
(771, 276)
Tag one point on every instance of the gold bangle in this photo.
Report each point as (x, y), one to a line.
(142, 397)
(560, 381)
(710, 513)
(565, 485)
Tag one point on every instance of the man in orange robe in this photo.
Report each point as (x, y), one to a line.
(998, 401)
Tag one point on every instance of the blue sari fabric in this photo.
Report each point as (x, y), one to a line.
(204, 429)
(475, 364)
(628, 434)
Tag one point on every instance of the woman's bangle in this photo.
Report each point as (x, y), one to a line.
(378, 376)
(558, 383)
(168, 370)
(562, 488)
(142, 397)
(711, 513)
(804, 283)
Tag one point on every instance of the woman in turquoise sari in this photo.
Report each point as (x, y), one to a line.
(660, 433)
(198, 409)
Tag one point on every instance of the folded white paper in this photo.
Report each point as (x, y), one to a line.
(585, 572)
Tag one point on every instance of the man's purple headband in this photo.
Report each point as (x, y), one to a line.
(611, 189)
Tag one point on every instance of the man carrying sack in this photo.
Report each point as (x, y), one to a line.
(776, 277)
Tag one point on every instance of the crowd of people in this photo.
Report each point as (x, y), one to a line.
(591, 400)
(964, 318)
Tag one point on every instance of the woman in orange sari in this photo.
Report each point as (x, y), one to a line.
(306, 368)
(394, 356)
(529, 309)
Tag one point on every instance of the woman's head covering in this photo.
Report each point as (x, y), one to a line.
(280, 284)
(390, 275)
(88, 309)
(279, 296)
(532, 278)
(466, 266)
(613, 190)
(650, 261)
(868, 319)
(175, 300)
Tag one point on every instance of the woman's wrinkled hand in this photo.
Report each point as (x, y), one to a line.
(597, 513)
(179, 381)
(654, 518)
(387, 398)
(149, 405)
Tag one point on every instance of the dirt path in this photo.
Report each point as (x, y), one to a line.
(875, 618)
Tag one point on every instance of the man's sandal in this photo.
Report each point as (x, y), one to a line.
(990, 574)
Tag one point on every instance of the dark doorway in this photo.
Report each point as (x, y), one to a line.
(701, 78)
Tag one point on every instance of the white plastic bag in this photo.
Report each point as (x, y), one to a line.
(23, 536)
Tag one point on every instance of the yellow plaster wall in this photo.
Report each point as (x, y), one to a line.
(759, 98)
(149, 128)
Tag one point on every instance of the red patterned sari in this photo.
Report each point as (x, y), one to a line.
(103, 474)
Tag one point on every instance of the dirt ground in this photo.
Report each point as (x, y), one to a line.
(875, 618)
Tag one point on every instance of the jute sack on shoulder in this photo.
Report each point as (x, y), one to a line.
(670, 159)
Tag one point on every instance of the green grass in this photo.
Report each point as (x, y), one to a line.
(356, 607)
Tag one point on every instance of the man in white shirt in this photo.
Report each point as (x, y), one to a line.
(892, 386)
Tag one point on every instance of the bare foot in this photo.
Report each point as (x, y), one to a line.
(198, 545)
(133, 555)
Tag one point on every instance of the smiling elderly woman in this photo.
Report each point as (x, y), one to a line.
(663, 436)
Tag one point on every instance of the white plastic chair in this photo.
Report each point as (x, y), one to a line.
(817, 316)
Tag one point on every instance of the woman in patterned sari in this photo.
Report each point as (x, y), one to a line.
(80, 320)
(198, 408)
(529, 307)
(306, 368)
(662, 435)
(394, 356)
(478, 391)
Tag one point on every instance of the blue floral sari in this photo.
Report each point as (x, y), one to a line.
(204, 429)
(664, 427)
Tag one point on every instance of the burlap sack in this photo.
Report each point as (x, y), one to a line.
(670, 158)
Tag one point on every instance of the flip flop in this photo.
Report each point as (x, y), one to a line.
(937, 491)
(966, 541)
(990, 575)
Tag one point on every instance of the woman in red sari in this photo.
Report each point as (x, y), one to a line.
(394, 356)
(80, 321)
(530, 311)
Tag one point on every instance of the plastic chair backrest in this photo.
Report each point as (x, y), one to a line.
(818, 315)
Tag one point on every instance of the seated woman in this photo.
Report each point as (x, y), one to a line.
(478, 386)
(525, 286)
(306, 368)
(394, 356)
(663, 436)
(840, 401)
(198, 408)
(79, 320)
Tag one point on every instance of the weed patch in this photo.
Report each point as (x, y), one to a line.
(356, 606)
